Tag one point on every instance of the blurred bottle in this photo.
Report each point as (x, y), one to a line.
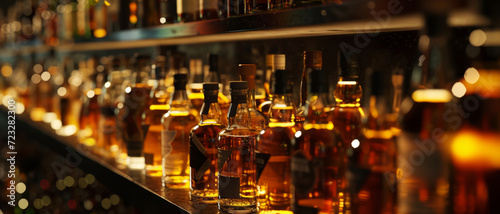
(214, 76)
(51, 80)
(203, 148)
(236, 156)
(312, 61)
(168, 11)
(177, 123)
(318, 161)
(69, 98)
(423, 163)
(50, 33)
(154, 113)
(273, 62)
(274, 148)
(113, 15)
(208, 9)
(65, 13)
(188, 11)
(373, 161)
(99, 22)
(257, 120)
(196, 84)
(26, 19)
(260, 91)
(81, 23)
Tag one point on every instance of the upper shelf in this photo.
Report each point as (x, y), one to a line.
(350, 17)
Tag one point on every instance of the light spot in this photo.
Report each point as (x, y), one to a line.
(20, 187)
(298, 134)
(62, 91)
(106, 203)
(90, 178)
(355, 143)
(458, 89)
(45, 76)
(69, 181)
(115, 199)
(477, 37)
(23, 203)
(471, 75)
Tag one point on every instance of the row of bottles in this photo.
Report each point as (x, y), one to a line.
(65, 21)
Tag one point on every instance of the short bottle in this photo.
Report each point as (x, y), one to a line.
(257, 120)
(235, 162)
(318, 162)
(177, 123)
(203, 148)
(274, 148)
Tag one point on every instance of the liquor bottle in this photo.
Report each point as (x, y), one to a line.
(213, 76)
(69, 102)
(260, 91)
(208, 9)
(257, 120)
(373, 165)
(168, 11)
(318, 159)
(51, 80)
(312, 61)
(195, 92)
(347, 113)
(157, 108)
(130, 116)
(100, 21)
(89, 112)
(423, 156)
(235, 161)
(274, 148)
(177, 123)
(187, 11)
(203, 148)
(81, 22)
(273, 62)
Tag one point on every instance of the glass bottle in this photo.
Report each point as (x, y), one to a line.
(131, 115)
(208, 9)
(157, 108)
(187, 11)
(235, 161)
(89, 112)
(312, 61)
(273, 62)
(274, 148)
(373, 161)
(51, 79)
(318, 159)
(196, 84)
(203, 148)
(177, 123)
(423, 160)
(257, 120)
(168, 11)
(213, 76)
(69, 103)
(100, 21)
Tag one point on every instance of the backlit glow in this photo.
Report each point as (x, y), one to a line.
(471, 75)
(458, 89)
(347, 82)
(90, 94)
(432, 95)
(45, 76)
(355, 143)
(61, 91)
(298, 134)
(20, 187)
(476, 150)
(477, 37)
(163, 20)
(23, 203)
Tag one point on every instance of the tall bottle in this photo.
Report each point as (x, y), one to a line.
(423, 186)
(168, 11)
(214, 76)
(69, 102)
(274, 148)
(157, 107)
(257, 120)
(235, 161)
(208, 9)
(273, 62)
(203, 148)
(374, 157)
(187, 11)
(177, 123)
(313, 60)
(318, 161)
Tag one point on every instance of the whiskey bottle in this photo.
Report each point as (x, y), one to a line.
(312, 61)
(69, 102)
(208, 9)
(157, 108)
(373, 166)
(177, 123)
(235, 161)
(195, 91)
(318, 160)
(347, 113)
(274, 148)
(168, 11)
(273, 63)
(423, 157)
(203, 148)
(187, 11)
(214, 76)
(257, 120)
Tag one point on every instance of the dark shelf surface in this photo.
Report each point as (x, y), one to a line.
(145, 192)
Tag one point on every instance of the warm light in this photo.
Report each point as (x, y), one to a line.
(107, 3)
(458, 89)
(115, 199)
(133, 19)
(69, 181)
(128, 90)
(45, 76)
(355, 143)
(477, 37)
(20, 187)
(432, 95)
(99, 33)
(476, 150)
(6, 70)
(298, 134)
(67, 130)
(37, 203)
(23, 203)
(471, 75)
(48, 117)
(347, 82)
(328, 126)
(136, 163)
(88, 205)
(163, 20)
(36, 114)
(381, 134)
(106, 203)
(60, 185)
(107, 84)
(82, 183)
(90, 94)
(61, 91)
(56, 124)
(36, 78)
(38, 68)
(19, 108)
(423, 43)
(46, 200)
(281, 124)
(90, 178)
(178, 113)
(159, 107)
(75, 81)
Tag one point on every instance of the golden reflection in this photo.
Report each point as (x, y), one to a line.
(476, 150)
(432, 95)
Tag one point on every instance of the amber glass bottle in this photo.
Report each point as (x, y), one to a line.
(312, 61)
(318, 161)
(274, 148)
(203, 148)
(257, 120)
(177, 123)
(235, 161)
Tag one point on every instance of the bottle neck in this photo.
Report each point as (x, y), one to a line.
(238, 115)
(348, 92)
(179, 101)
(317, 109)
(251, 99)
(210, 113)
(213, 76)
(282, 111)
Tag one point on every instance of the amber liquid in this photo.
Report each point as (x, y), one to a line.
(205, 189)
(107, 130)
(175, 148)
(347, 121)
(318, 169)
(89, 122)
(152, 143)
(239, 167)
(274, 183)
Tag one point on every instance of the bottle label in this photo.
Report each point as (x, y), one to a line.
(198, 159)
(261, 160)
(167, 137)
(303, 173)
(229, 187)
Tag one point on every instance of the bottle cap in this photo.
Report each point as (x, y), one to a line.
(238, 85)
(238, 91)
(247, 73)
(213, 61)
(211, 86)
(180, 81)
(313, 58)
(279, 61)
(348, 65)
